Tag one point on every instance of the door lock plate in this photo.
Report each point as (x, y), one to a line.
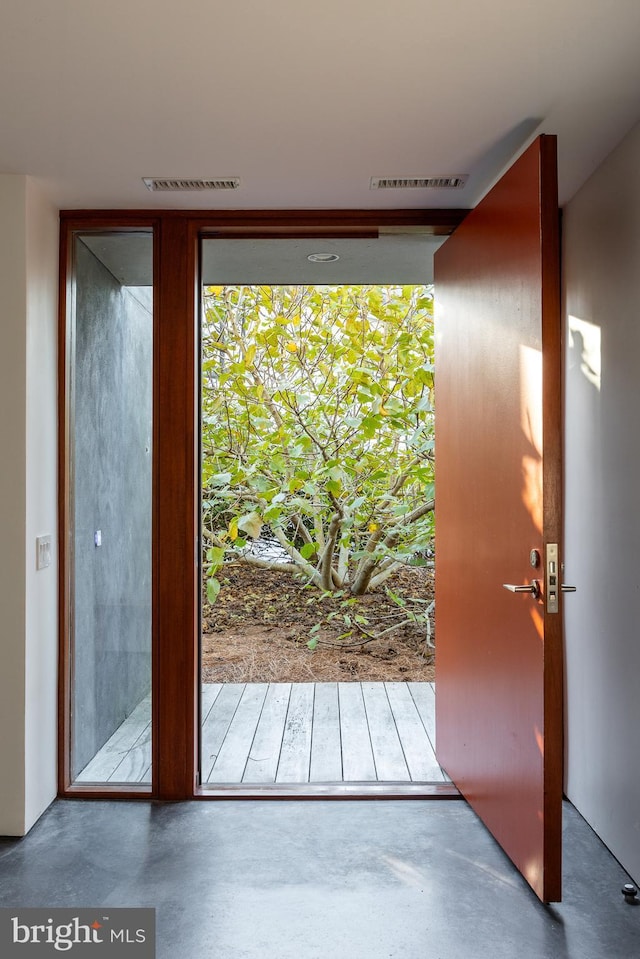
(552, 577)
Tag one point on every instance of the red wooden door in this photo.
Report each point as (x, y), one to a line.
(498, 498)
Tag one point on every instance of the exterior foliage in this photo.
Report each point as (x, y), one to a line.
(317, 423)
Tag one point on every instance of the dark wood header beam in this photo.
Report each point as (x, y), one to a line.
(277, 222)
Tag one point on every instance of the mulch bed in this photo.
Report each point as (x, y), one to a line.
(259, 626)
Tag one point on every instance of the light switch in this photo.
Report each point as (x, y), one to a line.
(43, 552)
(97, 538)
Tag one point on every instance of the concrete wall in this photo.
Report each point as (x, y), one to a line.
(112, 493)
(602, 284)
(28, 503)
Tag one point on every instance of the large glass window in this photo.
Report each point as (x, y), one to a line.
(110, 430)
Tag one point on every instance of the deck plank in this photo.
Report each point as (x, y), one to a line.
(234, 751)
(208, 696)
(357, 756)
(326, 752)
(295, 755)
(136, 764)
(424, 697)
(293, 733)
(416, 745)
(216, 725)
(109, 757)
(385, 742)
(264, 756)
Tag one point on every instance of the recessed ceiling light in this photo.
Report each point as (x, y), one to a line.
(323, 257)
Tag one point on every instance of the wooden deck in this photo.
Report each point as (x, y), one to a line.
(293, 733)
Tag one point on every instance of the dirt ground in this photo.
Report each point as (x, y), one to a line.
(259, 626)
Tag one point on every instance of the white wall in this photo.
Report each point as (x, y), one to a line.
(13, 308)
(28, 644)
(42, 503)
(602, 500)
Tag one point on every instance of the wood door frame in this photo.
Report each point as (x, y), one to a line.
(553, 506)
(175, 492)
(97, 222)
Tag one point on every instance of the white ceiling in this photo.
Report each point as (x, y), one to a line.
(306, 101)
(385, 260)
(391, 260)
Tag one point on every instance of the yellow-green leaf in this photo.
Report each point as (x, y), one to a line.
(251, 523)
(213, 588)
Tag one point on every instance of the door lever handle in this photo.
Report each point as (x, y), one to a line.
(568, 589)
(533, 588)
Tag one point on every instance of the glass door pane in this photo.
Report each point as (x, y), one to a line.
(110, 426)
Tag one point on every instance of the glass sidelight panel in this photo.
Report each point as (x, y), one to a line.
(110, 434)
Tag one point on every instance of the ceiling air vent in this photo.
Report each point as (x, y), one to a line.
(418, 182)
(176, 185)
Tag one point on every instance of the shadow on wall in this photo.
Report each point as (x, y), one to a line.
(585, 350)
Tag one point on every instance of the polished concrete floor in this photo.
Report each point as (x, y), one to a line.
(320, 880)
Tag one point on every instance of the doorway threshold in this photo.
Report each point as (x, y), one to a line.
(363, 790)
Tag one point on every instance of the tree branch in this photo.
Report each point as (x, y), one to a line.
(249, 559)
(384, 574)
(300, 528)
(343, 566)
(367, 564)
(326, 560)
(299, 560)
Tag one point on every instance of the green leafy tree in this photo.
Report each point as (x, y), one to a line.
(317, 422)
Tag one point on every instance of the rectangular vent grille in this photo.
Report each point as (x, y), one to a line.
(419, 183)
(169, 185)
